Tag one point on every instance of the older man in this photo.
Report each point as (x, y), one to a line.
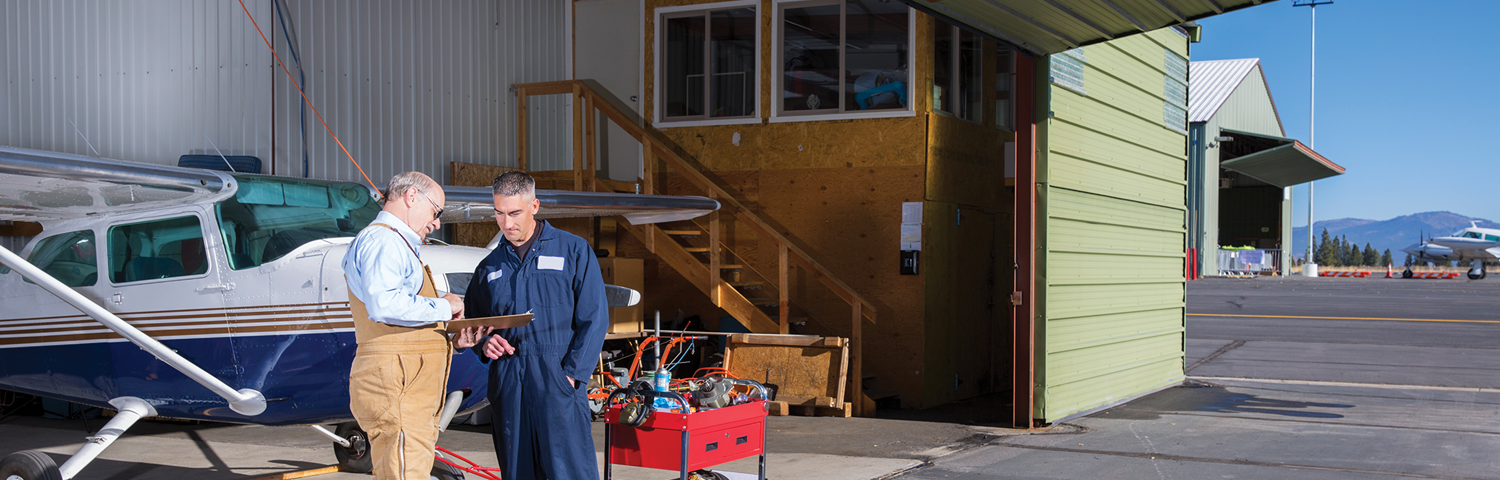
(400, 372)
(539, 373)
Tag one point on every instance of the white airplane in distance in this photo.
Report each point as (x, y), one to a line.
(1474, 244)
(184, 293)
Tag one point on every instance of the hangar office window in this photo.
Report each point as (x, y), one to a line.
(708, 68)
(1005, 74)
(157, 249)
(843, 56)
(70, 258)
(956, 72)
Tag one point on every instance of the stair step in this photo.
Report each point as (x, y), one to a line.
(868, 376)
(764, 302)
(730, 267)
(877, 394)
(682, 232)
(696, 249)
(746, 284)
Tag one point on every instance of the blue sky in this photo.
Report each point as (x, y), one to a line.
(1408, 94)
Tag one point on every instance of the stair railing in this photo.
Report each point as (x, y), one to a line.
(588, 98)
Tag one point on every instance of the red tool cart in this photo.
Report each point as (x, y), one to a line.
(687, 442)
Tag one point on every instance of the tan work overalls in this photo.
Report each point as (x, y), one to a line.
(397, 385)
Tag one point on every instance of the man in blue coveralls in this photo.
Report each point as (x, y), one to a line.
(539, 373)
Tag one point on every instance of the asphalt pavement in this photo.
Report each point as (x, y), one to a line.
(1294, 378)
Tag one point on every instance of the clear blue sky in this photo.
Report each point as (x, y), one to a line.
(1408, 93)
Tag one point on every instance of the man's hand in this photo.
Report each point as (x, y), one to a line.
(497, 347)
(572, 382)
(456, 305)
(471, 336)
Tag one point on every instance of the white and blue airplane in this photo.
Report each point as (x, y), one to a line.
(1473, 244)
(162, 291)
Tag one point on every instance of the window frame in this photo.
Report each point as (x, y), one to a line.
(1010, 116)
(778, 116)
(209, 258)
(31, 256)
(658, 97)
(955, 74)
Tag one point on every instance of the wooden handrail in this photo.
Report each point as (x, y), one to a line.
(610, 106)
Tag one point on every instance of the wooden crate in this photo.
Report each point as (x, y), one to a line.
(810, 372)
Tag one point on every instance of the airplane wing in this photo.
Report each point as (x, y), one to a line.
(476, 204)
(38, 185)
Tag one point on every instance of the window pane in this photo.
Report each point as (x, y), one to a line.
(875, 55)
(160, 249)
(271, 216)
(70, 258)
(942, 67)
(810, 58)
(684, 77)
(970, 99)
(1004, 72)
(732, 88)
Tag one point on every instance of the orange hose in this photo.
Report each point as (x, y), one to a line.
(304, 97)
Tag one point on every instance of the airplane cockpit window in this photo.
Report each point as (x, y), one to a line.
(1473, 235)
(70, 258)
(269, 217)
(156, 249)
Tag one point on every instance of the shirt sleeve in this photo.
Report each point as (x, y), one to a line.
(379, 274)
(590, 315)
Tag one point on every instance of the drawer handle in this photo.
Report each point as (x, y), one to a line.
(711, 447)
(742, 440)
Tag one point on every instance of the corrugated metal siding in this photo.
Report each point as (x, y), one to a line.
(405, 86)
(146, 81)
(14, 244)
(1246, 107)
(410, 86)
(1114, 201)
(1250, 108)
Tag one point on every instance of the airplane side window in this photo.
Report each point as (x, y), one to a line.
(70, 258)
(157, 249)
(268, 217)
(1492, 238)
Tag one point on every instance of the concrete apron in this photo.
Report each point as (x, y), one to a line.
(187, 454)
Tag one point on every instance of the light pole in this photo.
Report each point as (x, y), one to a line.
(1311, 267)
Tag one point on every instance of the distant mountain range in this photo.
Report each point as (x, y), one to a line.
(1393, 234)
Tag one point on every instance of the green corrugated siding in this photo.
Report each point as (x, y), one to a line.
(1112, 233)
(1249, 109)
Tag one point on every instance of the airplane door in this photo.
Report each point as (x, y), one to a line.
(161, 276)
(607, 48)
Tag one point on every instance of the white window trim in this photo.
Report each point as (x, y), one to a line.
(776, 77)
(658, 97)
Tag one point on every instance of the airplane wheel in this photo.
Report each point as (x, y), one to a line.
(443, 471)
(29, 465)
(1474, 276)
(1406, 274)
(355, 458)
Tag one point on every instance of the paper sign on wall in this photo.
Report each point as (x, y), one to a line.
(911, 226)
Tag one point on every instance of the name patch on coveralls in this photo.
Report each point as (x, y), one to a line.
(495, 275)
(544, 262)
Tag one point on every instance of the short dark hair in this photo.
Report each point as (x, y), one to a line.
(514, 183)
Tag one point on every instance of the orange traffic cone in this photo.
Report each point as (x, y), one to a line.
(1388, 272)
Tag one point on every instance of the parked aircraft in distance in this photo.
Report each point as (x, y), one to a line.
(1473, 244)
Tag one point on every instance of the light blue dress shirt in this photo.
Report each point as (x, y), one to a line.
(385, 274)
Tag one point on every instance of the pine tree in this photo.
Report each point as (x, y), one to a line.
(1352, 256)
(1385, 258)
(1408, 261)
(1325, 250)
(1372, 257)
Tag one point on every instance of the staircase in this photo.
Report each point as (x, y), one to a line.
(697, 249)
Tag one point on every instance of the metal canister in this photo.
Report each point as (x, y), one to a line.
(662, 379)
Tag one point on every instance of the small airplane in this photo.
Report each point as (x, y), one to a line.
(1474, 244)
(175, 292)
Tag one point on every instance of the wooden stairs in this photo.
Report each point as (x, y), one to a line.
(697, 249)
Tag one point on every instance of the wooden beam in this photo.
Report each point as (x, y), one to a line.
(1023, 311)
(578, 145)
(648, 167)
(590, 124)
(788, 340)
(856, 357)
(546, 88)
(784, 291)
(714, 237)
(521, 129)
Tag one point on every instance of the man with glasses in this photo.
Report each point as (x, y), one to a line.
(400, 373)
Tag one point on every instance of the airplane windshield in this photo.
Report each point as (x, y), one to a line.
(269, 217)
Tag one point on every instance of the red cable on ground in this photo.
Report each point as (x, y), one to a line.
(304, 97)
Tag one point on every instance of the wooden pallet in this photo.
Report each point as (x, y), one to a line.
(782, 409)
(810, 372)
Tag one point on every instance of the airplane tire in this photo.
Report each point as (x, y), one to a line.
(443, 471)
(356, 458)
(1473, 276)
(1406, 274)
(29, 465)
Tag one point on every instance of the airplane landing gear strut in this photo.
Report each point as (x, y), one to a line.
(34, 465)
(1477, 272)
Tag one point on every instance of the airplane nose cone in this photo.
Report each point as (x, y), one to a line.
(1414, 249)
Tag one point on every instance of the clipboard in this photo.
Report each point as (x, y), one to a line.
(504, 321)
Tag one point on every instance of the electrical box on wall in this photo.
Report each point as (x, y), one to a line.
(910, 262)
(911, 237)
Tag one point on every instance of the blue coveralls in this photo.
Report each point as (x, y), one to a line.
(542, 425)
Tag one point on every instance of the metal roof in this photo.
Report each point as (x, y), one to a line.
(1211, 82)
(1050, 26)
(1291, 163)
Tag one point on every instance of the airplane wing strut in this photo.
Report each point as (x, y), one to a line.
(248, 402)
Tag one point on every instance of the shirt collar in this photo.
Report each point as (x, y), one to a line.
(401, 227)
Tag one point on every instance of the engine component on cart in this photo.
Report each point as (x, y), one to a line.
(706, 475)
(713, 392)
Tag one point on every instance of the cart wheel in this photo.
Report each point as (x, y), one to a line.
(29, 465)
(596, 405)
(356, 457)
(443, 471)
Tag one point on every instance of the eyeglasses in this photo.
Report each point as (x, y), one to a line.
(437, 209)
